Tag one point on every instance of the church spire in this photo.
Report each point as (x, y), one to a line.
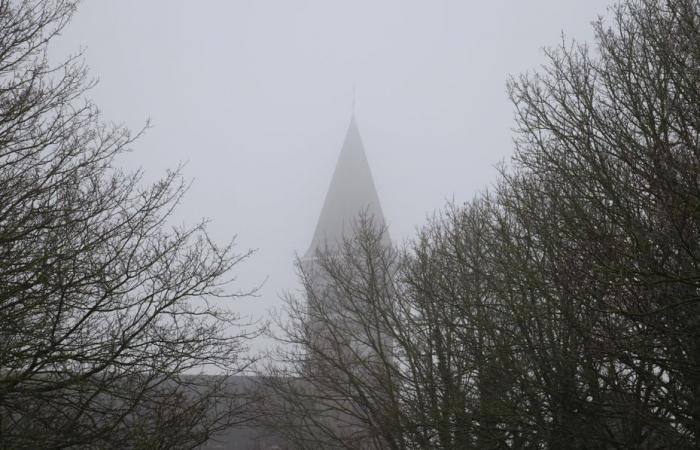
(351, 192)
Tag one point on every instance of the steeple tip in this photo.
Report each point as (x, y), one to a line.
(354, 102)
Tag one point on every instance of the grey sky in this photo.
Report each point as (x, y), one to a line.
(256, 97)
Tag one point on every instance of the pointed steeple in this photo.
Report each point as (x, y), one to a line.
(351, 192)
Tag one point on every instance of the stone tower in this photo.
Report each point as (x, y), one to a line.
(351, 194)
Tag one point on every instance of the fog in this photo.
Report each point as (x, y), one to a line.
(255, 97)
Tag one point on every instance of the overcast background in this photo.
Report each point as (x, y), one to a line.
(255, 96)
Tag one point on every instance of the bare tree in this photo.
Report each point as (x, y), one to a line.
(104, 308)
(393, 349)
(604, 193)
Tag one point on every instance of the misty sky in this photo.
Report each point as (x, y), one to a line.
(256, 95)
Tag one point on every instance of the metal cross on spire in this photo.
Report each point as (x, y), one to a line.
(354, 100)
